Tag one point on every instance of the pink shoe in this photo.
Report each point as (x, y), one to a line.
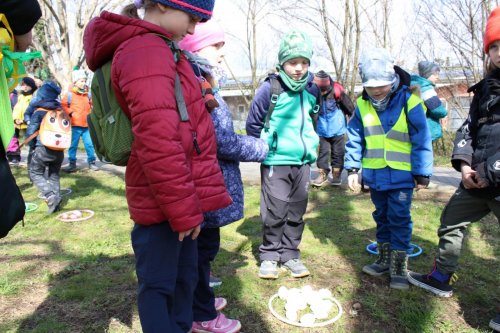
(220, 303)
(220, 324)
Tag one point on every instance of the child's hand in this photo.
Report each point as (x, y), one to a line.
(470, 177)
(194, 232)
(18, 121)
(353, 182)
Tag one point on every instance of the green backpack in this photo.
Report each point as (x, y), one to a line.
(109, 127)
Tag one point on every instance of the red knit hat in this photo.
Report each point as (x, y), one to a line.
(492, 31)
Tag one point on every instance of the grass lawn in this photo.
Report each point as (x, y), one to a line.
(79, 277)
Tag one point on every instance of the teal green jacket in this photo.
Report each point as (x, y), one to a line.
(291, 136)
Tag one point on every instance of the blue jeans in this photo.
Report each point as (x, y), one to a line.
(392, 215)
(167, 273)
(76, 133)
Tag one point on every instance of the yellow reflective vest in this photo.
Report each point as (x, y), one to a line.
(382, 149)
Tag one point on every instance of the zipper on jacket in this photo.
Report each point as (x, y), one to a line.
(195, 143)
(302, 126)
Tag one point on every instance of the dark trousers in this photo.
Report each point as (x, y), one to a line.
(204, 298)
(167, 274)
(392, 215)
(283, 202)
(43, 158)
(331, 148)
(462, 210)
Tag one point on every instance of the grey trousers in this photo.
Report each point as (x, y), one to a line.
(46, 158)
(462, 210)
(283, 202)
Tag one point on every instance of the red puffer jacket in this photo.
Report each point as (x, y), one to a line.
(166, 178)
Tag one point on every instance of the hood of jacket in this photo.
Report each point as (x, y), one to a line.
(104, 34)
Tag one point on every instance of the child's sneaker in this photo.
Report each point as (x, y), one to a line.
(220, 324)
(435, 282)
(220, 303)
(268, 269)
(495, 323)
(297, 268)
(214, 281)
(53, 202)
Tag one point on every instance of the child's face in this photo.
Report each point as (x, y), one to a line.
(25, 88)
(213, 53)
(378, 93)
(80, 83)
(177, 22)
(494, 53)
(296, 68)
(434, 78)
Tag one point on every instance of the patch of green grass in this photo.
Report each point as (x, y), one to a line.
(80, 277)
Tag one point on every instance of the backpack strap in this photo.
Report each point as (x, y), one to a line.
(276, 90)
(69, 99)
(179, 96)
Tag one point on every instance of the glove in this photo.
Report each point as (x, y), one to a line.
(422, 181)
(353, 181)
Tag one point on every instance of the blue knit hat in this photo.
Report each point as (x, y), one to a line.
(49, 91)
(198, 8)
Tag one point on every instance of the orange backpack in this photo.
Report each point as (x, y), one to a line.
(55, 129)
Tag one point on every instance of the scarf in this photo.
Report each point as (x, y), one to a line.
(295, 86)
(381, 105)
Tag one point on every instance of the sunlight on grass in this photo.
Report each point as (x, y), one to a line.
(80, 277)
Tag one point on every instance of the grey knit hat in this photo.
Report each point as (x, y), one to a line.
(427, 68)
(376, 68)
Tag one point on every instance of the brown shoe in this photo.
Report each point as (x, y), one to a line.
(322, 178)
(336, 176)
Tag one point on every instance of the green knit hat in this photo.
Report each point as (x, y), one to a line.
(295, 44)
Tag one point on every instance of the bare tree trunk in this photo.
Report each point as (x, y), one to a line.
(59, 34)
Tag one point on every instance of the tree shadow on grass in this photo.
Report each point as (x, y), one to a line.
(87, 295)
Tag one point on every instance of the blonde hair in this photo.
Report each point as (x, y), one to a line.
(131, 10)
(488, 65)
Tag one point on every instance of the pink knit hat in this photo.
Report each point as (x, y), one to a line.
(205, 34)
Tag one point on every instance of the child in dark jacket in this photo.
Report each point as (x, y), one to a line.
(172, 174)
(45, 158)
(207, 45)
(476, 155)
(389, 138)
(331, 128)
(285, 173)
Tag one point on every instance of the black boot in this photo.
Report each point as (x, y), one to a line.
(381, 266)
(399, 270)
(71, 167)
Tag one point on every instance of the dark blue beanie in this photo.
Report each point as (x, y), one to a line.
(198, 8)
(48, 91)
(29, 82)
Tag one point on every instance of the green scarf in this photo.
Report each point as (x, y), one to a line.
(295, 86)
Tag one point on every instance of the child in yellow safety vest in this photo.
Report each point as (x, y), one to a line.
(390, 140)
